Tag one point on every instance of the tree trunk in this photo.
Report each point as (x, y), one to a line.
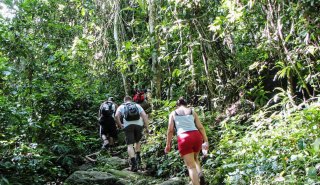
(117, 39)
(209, 81)
(193, 84)
(156, 80)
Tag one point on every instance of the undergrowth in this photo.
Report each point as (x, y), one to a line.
(278, 147)
(281, 148)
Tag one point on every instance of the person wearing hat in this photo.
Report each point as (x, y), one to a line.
(108, 128)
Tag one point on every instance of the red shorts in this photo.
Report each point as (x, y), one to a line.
(189, 142)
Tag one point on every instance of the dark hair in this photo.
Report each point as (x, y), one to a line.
(181, 101)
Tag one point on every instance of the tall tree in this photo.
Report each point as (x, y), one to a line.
(156, 80)
(116, 28)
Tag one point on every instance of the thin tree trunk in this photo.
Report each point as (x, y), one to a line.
(118, 41)
(193, 73)
(209, 81)
(156, 80)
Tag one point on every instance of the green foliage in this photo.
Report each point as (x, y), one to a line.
(281, 148)
(43, 150)
(42, 153)
(48, 104)
(58, 61)
(259, 94)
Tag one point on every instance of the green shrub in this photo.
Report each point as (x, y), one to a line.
(283, 148)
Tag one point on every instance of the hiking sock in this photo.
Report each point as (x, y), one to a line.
(201, 178)
(133, 164)
(105, 146)
(105, 143)
(110, 148)
(138, 158)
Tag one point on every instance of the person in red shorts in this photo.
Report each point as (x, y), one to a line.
(191, 135)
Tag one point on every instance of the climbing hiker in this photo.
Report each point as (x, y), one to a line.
(134, 119)
(191, 138)
(138, 97)
(108, 128)
(141, 98)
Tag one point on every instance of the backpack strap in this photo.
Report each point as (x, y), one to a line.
(113, 108)
(110, 104)
(125, 108)
(127, 103)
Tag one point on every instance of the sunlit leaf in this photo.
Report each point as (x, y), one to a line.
(176, 73)
(316, 145)
(83, 11)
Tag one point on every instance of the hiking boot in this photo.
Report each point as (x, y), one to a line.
(201, 178)
(134, 167)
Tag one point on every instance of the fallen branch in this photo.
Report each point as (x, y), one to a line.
(88, 157)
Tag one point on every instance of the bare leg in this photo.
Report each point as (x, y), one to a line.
(137, 147)
(196, 159)
(111, 141)
(131, 151)
(191, 165)
(131, 154)
(105, 140)
(199, 169)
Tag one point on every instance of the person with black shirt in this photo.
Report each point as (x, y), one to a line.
(108, 128)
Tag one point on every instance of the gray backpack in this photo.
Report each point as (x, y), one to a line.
(106, 109)
(131, 112)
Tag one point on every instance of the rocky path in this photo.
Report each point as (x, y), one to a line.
(114, 171)
(104, 170)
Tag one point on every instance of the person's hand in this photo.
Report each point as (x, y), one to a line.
(205, 145)
(120, 126)
(147, 132)
(167, 149)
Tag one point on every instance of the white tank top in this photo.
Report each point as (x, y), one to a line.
(184, 123)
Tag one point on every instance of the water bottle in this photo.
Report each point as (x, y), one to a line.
(204, 148)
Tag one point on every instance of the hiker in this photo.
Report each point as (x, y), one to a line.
(191, 138)
(134, 119)
(108, 128)
(138, 96)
